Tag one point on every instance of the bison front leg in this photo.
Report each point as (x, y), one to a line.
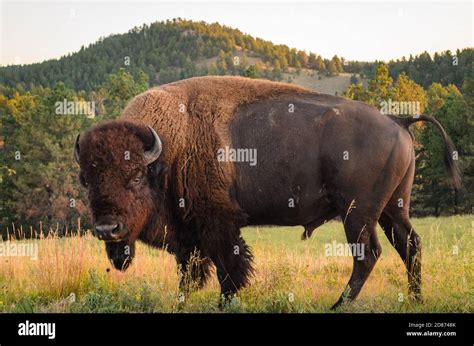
(194, 270)
(233, 261)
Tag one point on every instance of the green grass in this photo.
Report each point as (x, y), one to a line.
(291, 275)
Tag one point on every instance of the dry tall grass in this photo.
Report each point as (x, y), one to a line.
(72, 274)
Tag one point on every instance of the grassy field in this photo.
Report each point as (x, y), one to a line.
(73, 275)
(321, 83)
(308, 78)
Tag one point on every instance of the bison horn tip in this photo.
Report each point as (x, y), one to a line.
(154, 152)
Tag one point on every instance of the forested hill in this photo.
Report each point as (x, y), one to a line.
(38, 128)
(176, 49)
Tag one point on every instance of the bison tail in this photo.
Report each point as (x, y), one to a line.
(452, 167)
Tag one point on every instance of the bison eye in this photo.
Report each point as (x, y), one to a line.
(137, 179)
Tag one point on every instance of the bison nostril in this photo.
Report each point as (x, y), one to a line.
(106, 228)
(117, 228)
(104, 231)
(110, 231)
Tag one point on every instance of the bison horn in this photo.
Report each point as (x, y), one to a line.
(155, 151)
(76, 149)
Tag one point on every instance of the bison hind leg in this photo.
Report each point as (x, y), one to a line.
(407, 242)
(395, 222)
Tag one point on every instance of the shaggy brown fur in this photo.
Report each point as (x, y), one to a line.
(194, 206)
(110, 157)
(192, 119)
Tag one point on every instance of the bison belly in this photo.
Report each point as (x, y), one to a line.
(276, 156)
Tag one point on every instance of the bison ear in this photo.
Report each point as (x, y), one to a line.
(156, 168)
(157, 172)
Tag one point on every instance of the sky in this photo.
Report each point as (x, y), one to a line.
(34, 31)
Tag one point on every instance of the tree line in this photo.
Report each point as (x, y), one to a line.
(171, 50)
(38, 175)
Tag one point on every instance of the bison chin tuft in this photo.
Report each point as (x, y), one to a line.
(120, 254)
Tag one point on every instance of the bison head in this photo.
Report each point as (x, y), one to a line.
(119, 167)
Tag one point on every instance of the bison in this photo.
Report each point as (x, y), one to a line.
(157, 175)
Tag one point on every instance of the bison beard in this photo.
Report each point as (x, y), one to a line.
(120, 254)
(192, 205)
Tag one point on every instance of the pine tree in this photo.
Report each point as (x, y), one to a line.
(380, 85)
(406, 90)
